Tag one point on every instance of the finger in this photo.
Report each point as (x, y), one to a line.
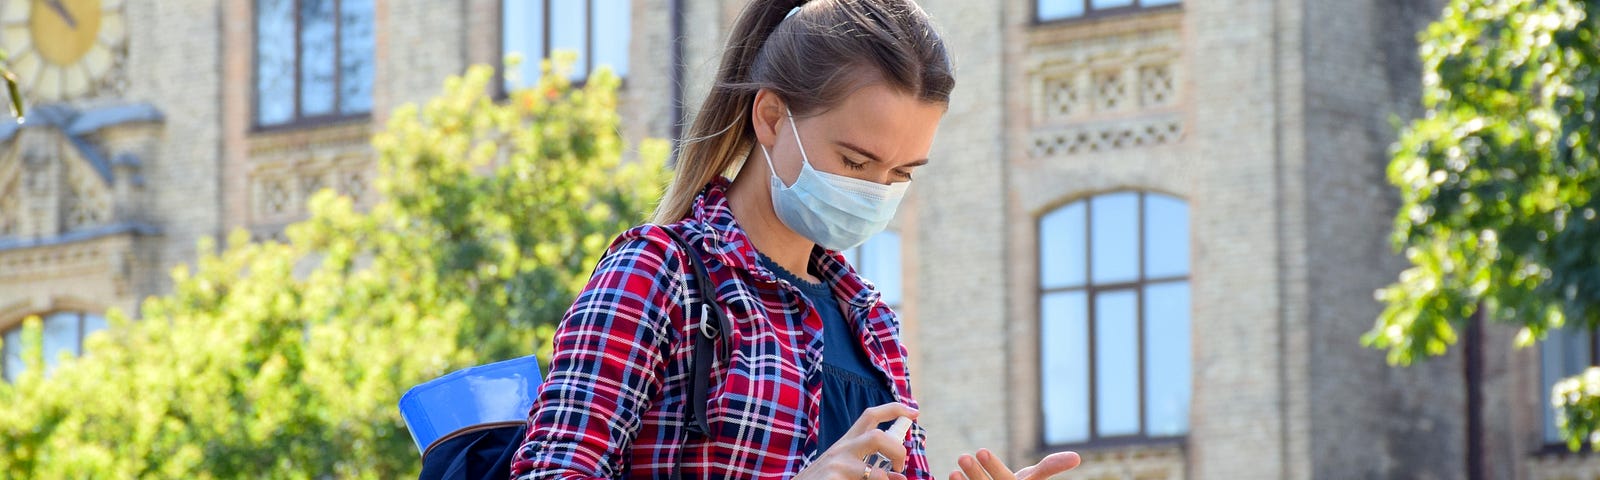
(971, 468)
(1051, 465)
(991, 463)
(871, 417)
(956, 475)
(879, 441)
(896, 476)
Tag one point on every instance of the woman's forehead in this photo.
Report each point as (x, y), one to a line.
(894, 125)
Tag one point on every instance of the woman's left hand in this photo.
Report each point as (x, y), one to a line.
(987, 466)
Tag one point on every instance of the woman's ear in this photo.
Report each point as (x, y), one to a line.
(766, 114)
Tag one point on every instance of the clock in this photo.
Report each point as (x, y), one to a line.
(62, 49)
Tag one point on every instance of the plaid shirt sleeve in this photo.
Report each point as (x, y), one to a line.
(607, 367)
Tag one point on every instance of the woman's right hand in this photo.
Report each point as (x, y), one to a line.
(845, 460)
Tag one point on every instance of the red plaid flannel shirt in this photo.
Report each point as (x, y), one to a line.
(612, 405)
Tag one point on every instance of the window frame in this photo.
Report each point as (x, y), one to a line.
(501, 91)
(1547, 446)
(82, 317)
(1091, 291)
(296, 120)
(1091, 13)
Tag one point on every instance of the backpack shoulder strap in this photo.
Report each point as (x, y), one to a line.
(712, 323)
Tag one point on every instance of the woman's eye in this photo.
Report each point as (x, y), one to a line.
(901, 174)
(853, 165)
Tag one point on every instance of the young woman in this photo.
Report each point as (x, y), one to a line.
(822, 111)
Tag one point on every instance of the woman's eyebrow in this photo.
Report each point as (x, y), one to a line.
(870, 156)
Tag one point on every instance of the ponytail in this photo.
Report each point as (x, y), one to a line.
(721, 132)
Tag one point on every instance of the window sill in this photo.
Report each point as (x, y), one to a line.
(1151, 459)
(1115, 443)
(348, 131)
(311, 124)
(1559, 451)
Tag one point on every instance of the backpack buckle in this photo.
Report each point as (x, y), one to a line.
(706, 328)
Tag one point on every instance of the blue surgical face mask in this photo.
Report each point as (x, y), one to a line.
(834, 211)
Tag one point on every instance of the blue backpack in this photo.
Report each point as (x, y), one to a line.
(469, 423)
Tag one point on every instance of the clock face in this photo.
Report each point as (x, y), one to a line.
(61, 49)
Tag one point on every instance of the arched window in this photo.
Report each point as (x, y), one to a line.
(1114, 320)
(63, 334)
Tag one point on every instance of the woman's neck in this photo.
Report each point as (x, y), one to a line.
(750, 200)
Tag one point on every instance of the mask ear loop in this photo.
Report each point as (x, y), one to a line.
(793, 127)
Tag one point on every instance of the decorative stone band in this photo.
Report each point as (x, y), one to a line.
(1096, 137)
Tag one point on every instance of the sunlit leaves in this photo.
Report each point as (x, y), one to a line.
(1497, 179)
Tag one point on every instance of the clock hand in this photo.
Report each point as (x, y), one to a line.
(62, 11)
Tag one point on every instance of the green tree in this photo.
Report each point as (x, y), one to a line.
(286, 360)
(1497, 183)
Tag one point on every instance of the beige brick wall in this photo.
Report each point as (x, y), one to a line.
(174, 63)
(1368, 420)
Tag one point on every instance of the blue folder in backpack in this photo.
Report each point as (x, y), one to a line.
(469, 422)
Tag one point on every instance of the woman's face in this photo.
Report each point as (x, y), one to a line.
(876, 134)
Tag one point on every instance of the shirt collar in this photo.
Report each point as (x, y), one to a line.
(720, 235)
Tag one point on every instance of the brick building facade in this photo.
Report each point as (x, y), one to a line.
(1150, 233)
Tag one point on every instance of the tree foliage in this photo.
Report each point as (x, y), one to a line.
(286, 359)
(1497, 182)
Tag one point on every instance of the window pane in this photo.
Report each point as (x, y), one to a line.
(1155, 3)
(1166, 236)
(1104, 4)
(1114, 237)
(60, 337)
(1064, 366)
(522, 32)
(274, 61)
(93, 323)
(1166, 358)
(1564, 353)
(569, 31)
(355, 56)
(611, 31)
(1061, 247)
(1116, 362)
(882, 256)
(1059, 9)
(13, 353)
(316, 57)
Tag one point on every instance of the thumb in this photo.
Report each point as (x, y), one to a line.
(1050, 466)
